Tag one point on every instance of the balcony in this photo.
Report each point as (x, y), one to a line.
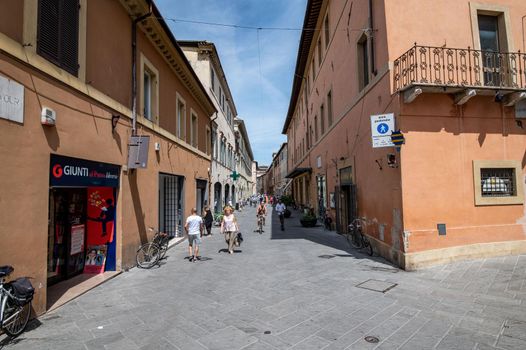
(462, 72)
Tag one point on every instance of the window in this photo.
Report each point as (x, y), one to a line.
(58, 33)
(149, 83)
(319, 52)
(490, 46)
(363, 63)
(147, 98)
(214, 144)
(326, 29)
(181, 118)
(193, 130)
(498, 182)
(322, 119)
(212, 80)
(315, 128)
(329, 108)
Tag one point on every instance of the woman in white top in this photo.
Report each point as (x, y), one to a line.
(230, 228)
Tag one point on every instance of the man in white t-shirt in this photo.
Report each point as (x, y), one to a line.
(194, 229)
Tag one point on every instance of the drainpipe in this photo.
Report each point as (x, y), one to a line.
(371, 38)
(523, 37)
(211, 161)
(134, 68)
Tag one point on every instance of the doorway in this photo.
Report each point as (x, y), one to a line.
(66, 234)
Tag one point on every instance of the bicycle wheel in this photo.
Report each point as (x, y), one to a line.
(148, 255)
(16, 317)
(367, 244)
(353, 240)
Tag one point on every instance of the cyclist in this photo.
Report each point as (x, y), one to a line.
(261, 211)
(280, 209)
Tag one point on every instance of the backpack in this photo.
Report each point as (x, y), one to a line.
(23, 290)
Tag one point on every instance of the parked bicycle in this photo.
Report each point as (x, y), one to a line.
(150, 253)
(356, 238)
(15, 302)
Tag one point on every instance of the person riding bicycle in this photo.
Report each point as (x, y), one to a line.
(261, 212)
(280, 209)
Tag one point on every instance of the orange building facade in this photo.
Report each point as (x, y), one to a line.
(79, 74)
(455, 190)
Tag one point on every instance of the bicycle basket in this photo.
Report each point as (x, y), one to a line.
(23, 290)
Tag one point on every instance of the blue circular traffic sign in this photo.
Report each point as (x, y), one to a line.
(382, 128)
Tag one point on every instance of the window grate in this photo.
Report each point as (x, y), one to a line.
(498, 182)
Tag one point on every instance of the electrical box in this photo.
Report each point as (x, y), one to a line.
(157, 146)
(138, 152)
(48, 116)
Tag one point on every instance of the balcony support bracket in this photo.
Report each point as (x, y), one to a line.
(464, 96)
(411, 94)
(511, 100)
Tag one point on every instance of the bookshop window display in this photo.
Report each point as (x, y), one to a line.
(82, 207)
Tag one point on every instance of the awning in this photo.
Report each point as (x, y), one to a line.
(297, 172)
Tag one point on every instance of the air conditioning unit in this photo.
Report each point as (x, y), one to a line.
(48, 116)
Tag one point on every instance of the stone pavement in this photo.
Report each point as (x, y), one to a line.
(296, 289)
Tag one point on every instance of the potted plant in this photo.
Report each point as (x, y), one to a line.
(308, 220)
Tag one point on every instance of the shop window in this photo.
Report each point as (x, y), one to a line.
(213, 80)
(315, 128)
(58, 33)
(498, 182)
(149, 83)
(363, 62)
(181, 118)
(193, 130)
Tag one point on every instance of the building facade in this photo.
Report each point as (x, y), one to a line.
(205, 60)
(454, 189)
(245, 159)
(78, 98)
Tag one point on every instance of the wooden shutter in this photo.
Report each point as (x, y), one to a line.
(58, 31)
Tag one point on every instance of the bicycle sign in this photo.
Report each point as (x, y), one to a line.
(381, 128)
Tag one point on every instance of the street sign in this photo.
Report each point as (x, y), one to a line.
(382, 126)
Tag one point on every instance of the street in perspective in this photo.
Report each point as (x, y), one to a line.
(261, 175)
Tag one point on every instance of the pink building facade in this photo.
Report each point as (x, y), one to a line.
(455, 190)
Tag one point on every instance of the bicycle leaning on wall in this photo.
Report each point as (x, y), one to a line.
(15, 302)
(356, 237)
(150, 253)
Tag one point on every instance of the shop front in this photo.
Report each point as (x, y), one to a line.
(82, 207)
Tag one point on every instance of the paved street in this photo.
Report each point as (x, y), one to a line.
(292, 290)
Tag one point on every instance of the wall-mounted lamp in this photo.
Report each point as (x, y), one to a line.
(391, 160)
(114, 121)
(499, 97)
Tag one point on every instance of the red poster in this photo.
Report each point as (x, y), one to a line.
(101, 215)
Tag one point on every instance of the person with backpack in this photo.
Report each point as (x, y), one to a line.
(208, 219)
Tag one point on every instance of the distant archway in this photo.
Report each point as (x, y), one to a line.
(227, 194)
(218, 203)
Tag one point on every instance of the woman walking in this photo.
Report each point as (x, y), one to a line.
(229, 228)
(208, 219)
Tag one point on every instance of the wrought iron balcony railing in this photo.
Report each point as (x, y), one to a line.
(460, 68)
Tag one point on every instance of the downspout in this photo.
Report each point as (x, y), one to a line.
(371, 38)
(523, 37)
(134, 68)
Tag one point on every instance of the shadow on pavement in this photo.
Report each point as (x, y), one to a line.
(317, 234)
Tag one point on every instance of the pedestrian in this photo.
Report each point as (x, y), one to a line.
(229, 227)
(280, 209)
(194, 229)
(208, 219)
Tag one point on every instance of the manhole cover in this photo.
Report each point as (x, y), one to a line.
(371, 339)
(377, 286)
(267, 332)
(326, 256)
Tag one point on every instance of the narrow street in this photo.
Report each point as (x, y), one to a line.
(293, 289)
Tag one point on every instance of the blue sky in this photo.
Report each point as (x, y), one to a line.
(262, 99)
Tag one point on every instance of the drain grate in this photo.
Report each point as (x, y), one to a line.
(326, 256)
(377, 286)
